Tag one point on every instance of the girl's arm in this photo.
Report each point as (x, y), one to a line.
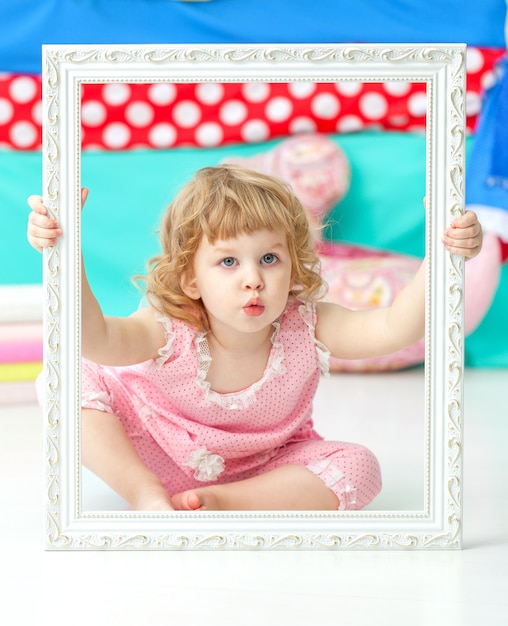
(106, 340)
(362, 334)
(118, 340)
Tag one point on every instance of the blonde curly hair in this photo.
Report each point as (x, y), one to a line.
(221, 203)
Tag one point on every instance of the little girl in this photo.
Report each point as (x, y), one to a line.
(203, 398)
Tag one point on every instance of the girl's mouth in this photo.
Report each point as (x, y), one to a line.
(253, 308)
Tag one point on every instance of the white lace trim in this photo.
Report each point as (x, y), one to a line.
(335, 480)
(207, 465)
(167, 349)
(101, 400)
(239, 399)
(323, 354)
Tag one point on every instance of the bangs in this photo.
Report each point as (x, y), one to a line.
(239, 209)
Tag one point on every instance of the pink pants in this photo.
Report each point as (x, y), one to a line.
(351, 471)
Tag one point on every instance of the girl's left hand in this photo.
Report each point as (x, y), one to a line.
(464, 236)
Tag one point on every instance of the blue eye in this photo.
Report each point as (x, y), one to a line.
(228, 261)
(269, 259)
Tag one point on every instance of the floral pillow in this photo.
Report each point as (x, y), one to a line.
(363, 279)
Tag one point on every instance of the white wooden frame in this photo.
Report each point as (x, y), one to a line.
(439, 523)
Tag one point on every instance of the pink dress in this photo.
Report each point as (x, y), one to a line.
(189, 435)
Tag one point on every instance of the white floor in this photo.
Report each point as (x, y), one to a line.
(463, 588)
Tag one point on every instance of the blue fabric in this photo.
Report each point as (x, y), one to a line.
(487, 172)
(25, 24)
(499, 163)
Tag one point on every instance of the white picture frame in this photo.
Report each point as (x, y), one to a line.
(439, 524)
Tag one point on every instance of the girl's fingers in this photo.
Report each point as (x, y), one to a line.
(469, 218)
(465, 227)
(42, 219)
(36, 204)
(84, 196)
(468, 253)
(42, 231)
(463, 244)
(469, 247)
(461, 234)
(40, 244)
(465, 235)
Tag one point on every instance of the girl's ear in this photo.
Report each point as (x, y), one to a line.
(189, 286)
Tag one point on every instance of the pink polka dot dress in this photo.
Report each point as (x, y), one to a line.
(189, 435)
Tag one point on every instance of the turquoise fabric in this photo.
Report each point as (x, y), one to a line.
(130, 190)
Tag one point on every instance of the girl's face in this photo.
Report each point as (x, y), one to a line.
(243, 282)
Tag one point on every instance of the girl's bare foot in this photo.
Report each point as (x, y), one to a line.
(197, 499)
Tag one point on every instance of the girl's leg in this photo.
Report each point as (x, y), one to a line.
(108, 452)
(306, 475)
(289, 487)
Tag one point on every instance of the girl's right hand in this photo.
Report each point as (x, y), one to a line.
(44, 231)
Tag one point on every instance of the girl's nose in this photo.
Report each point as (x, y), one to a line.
(253, 280)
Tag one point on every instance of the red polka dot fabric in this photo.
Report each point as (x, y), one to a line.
(163, 115)
(20, 112)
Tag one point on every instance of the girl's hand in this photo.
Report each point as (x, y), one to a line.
(44, 231)
(464, 236)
